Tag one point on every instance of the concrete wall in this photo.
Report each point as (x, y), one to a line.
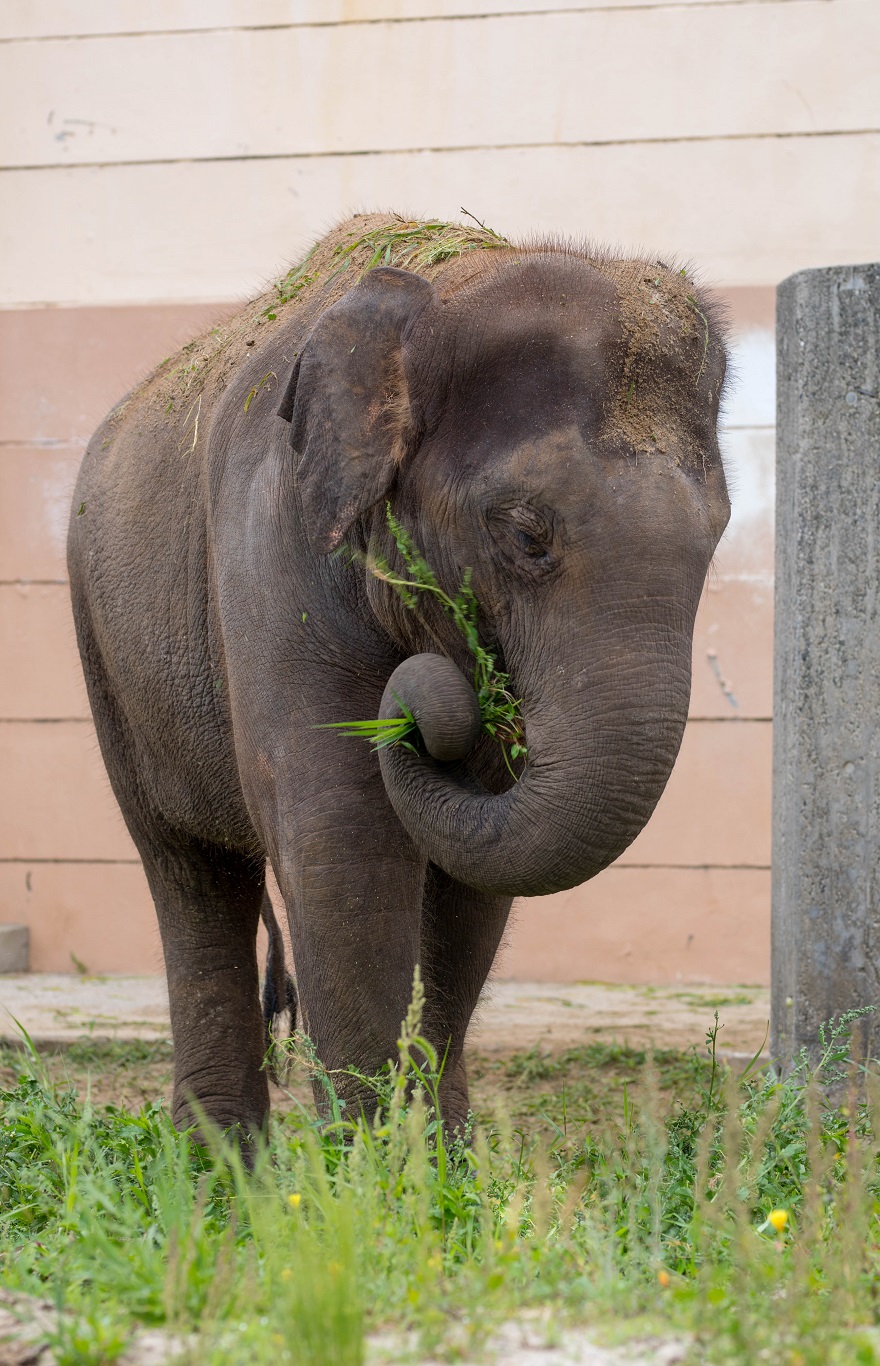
(160, 161)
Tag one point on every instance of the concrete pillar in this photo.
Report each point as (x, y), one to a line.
(826, 706)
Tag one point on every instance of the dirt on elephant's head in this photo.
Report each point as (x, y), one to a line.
(675, 358)
(672, 329)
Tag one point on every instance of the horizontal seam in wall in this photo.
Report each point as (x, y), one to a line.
(685, 140)
(730, 720)
(619, 867)
(109, 862)
(49, 443)
(397, 19)
(87, 720)
(693, 867)
(692, 720)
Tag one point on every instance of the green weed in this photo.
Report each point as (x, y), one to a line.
(293, 283)
(499, 709)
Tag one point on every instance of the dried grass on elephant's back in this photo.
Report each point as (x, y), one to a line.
(666, 322)
(335, 263)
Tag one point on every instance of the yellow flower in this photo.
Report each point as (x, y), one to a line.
(778, 1218)
(664, 1278)
(286, 1273)
(294, 1200)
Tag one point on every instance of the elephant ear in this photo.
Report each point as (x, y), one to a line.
(348, 402)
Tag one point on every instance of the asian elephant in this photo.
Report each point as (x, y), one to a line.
(542, 415)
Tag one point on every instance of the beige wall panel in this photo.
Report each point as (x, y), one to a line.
(55, 797)
(217, 230)
(35, 490)
(627, 925)
(716, 807)
(751, 308)
(61, 370)
(749, 399)
(733, 652)
(41, 674)
(55, 800)
(493, 82)
(101, 913)
(49, 18)
(645, 925)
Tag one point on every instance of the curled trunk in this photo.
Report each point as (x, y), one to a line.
(601, 747)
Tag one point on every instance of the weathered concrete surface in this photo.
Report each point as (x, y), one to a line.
(826, 823)
(58, 1008)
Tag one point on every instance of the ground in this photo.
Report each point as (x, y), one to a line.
(626, 1197)
(533, 1047)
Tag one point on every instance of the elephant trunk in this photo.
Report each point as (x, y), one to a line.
(602, 742)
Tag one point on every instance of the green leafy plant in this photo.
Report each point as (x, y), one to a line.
(660, 1190)
(499, 709)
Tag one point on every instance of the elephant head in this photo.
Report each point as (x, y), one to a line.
(547, 420)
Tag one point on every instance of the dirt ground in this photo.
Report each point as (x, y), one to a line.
(512, 1016)
(26, 1324)
(541, 1054)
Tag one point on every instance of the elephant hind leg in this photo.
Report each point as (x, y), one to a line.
(208, 900)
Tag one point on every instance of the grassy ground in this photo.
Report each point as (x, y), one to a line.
(538, 1090)
(602, 1186)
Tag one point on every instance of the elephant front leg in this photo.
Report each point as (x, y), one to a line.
(461, 931)
(352, 884)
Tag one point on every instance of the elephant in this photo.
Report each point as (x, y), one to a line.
(540, 416)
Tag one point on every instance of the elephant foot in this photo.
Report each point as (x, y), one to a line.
(455, 1106)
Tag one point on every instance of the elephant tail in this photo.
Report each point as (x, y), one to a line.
(279, 989)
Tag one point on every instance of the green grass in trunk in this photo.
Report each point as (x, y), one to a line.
(603, 1185)
(499, 709)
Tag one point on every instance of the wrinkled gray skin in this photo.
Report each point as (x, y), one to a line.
(217, 633)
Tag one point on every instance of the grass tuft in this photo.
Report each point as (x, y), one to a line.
(499, 709)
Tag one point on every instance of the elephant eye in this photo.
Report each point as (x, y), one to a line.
(525, 532)
(531, 546)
